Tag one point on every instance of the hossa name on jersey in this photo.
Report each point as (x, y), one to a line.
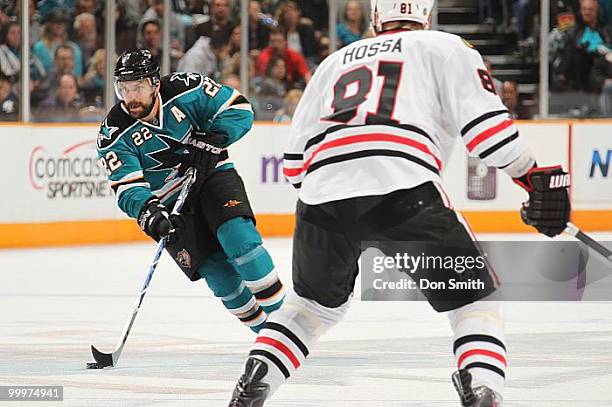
(384, 114)
(371, 50)
(138, 155)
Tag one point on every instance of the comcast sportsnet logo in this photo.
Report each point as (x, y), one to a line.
(69, 172)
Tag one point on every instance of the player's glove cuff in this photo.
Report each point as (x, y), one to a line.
(548, 208)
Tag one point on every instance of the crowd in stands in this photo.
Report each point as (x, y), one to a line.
(581, 52)
(287, 40)
(67, 60)
(580, 48)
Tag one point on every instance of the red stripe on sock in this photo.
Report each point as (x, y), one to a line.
(483, 352)
(280, 346)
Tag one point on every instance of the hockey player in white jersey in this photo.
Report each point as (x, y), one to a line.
(368, 143)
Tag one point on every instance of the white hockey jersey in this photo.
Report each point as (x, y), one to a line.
(383, 114)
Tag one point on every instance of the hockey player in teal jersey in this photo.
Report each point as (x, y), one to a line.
(161, 127)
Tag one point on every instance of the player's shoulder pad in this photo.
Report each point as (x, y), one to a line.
(177, 83)
(461, 43)
(117, 121)
(443, 41)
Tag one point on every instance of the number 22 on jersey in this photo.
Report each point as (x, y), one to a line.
(346, 107)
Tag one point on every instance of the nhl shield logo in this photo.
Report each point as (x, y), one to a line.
(183, 259)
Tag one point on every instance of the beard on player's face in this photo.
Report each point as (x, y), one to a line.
(140, 108)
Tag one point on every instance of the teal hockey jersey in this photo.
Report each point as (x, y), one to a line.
(140, 157)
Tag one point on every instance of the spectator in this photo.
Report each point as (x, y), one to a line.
(205, 57)
(268, 6)
(297, 68)
(63, 104)
(593, 35)
(35, 27)
(275, 82)
(197, 7)
(10, 56)
(233, 45)
(126, 28)
(54, 35)
(317, 11)
(259, 27)
(299, 34)
(564, 23)
(584, 44)
(289, 105)
(47, 7)
(9, 105)
(63, 64)
(509, 97)
(134, 10)
(86, 36)
(219, 25)
(564, 16)
(10, 42)
(496, 82)
(85, 6)
(6, 12)
(151, 38)
(232, 67)
(231, 64)
(324, 50)
(272, 89)
(602, 82)
(177, 32)
(92, 83)
(354, 25)
(523, 18)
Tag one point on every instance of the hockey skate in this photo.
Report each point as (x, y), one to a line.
(480, 396)
(249, 391)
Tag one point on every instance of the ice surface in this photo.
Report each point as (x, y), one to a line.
(186, 350)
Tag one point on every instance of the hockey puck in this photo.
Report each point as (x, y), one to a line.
(94, 365)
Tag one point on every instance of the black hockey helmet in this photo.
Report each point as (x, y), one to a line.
(136, 65)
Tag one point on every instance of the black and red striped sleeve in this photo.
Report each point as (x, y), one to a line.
(472, 108)
(493, 137)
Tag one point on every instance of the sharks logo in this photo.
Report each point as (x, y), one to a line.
(106, 132)
(185, 77)
(168, 157)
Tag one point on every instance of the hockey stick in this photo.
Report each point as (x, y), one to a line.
(575, 231)
(110, 359)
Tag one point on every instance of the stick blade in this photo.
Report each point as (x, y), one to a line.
(103, 359)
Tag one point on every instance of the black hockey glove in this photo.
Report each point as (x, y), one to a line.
(548, 208)
(203, 152)
(154, 219)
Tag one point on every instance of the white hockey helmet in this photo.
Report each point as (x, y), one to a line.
(384, 11)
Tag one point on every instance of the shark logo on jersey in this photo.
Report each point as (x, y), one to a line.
(166, 158)
(185, 77)
(106, 132)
